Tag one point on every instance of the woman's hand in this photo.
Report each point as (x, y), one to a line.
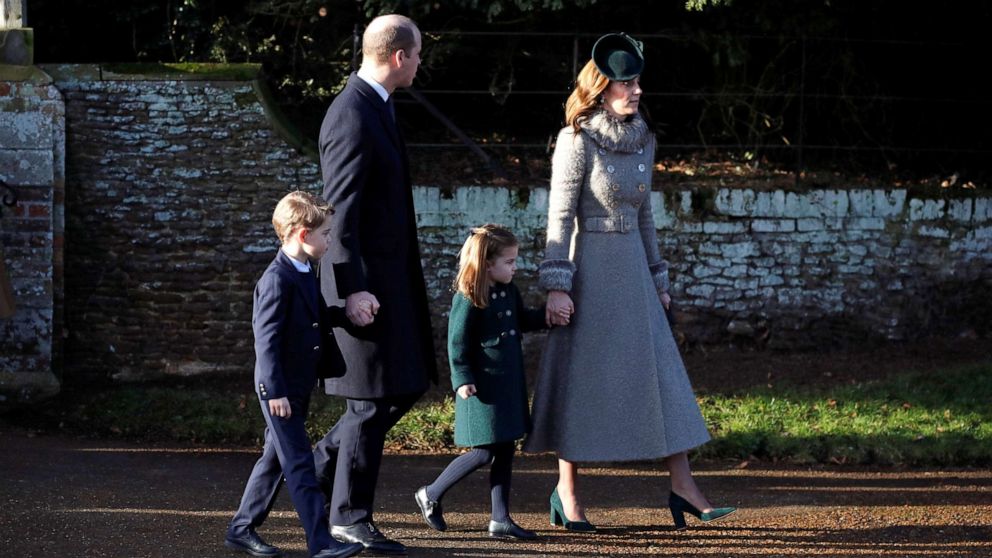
(666, 300)
(466, 391)
(559, 309)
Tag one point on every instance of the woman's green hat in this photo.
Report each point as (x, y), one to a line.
(618, 56)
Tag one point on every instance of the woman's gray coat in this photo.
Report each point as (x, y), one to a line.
(612, 385)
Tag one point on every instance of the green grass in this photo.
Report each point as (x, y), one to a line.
(935, 418)
(938, 418)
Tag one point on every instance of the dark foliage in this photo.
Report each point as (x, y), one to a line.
(879, 86)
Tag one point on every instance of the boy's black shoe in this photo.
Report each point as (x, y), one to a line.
(341, 550)
(369, 536)
(510, 530)
(430, 509)
(251, 543)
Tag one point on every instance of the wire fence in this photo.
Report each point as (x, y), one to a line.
(786, 97)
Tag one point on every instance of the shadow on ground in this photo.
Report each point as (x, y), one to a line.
(72, 497)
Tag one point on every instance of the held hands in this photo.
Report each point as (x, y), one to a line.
(466, 391)
(559, 309)
(280, 407)
(361, 308)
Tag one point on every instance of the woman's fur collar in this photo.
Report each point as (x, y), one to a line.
(613, 134)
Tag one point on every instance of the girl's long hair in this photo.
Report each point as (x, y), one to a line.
(485, 243)
(585, 98)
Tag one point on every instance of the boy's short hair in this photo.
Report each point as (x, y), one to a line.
(299, 210)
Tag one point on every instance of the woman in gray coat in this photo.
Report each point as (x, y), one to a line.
(612, 385)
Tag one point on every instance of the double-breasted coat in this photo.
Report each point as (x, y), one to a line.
(484, 348)
(294, 340)
(612, 385)
(374, 248)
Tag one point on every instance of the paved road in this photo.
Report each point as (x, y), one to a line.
(69, 497)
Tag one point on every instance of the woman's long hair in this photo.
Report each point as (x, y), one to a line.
(485, 243)
(585, 98)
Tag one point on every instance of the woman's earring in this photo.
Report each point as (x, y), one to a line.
(599, 99)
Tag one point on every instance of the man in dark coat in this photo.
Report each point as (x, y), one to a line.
(373, 268)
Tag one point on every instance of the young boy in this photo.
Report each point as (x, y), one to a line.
(293, 347)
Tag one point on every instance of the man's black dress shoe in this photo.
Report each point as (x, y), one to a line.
(369, 536)
(251, 543)
(340, 550)
(510, 530)
(430, 509)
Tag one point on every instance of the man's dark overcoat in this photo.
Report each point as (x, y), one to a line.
(374, 248)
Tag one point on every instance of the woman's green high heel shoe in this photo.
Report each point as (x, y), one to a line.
(680, 505)
(558, 517)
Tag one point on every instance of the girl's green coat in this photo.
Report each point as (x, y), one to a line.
(484, 349)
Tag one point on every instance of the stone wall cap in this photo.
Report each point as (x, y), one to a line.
(179, 72)
(31, 74)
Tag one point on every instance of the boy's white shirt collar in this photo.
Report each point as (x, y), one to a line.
(300, 266)
(375, 85)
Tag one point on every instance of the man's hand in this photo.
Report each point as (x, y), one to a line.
(466, 391)
(361, 308)
(280, 407)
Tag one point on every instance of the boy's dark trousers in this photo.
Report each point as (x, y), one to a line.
(286, 454)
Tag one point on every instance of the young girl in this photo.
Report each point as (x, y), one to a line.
(487, 373)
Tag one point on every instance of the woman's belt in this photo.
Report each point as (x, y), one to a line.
(620, 223)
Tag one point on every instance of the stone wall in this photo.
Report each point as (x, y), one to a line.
(32, 139)
(775, 268)
(171, 183)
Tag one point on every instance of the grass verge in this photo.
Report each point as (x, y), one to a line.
(937, 418)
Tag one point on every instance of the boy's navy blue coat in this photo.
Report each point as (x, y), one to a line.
(294, 344)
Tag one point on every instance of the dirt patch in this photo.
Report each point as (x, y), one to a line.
(727, 369)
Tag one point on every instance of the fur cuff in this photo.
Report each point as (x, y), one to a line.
(556, 275)
(659, 272)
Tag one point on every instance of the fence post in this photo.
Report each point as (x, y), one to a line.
(356, 41)
(802, 114)
(575, 56)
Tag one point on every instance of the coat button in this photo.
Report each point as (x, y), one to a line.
(601, 151)
(503, 294)
(640, 150)
(640, 167)
(494, 295)
(615, 187)
(642, 187)
(513, 332)
(509, 312)
(316, 325)
(502, 334)
(316, 347)
(610, 169)
(499, 314)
